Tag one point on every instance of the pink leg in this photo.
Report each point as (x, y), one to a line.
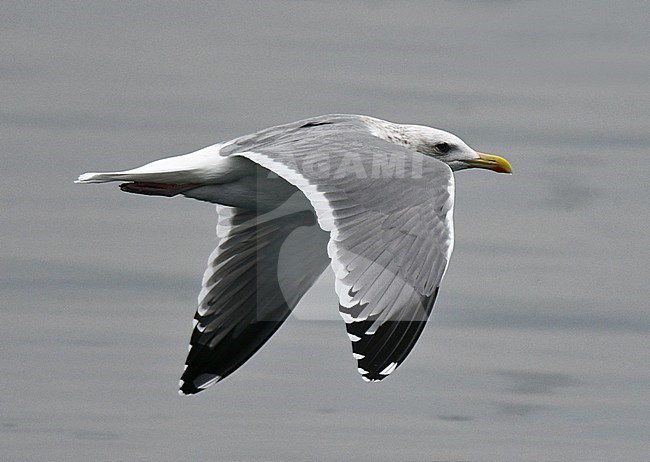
(156, 189)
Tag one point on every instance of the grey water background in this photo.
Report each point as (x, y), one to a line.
(538, 349)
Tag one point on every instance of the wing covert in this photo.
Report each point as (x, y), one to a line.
(389, 211)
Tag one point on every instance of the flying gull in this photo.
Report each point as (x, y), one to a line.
(372, 198)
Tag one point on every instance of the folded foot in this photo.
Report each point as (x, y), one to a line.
(156, 189)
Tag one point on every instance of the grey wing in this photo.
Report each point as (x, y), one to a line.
(261, 267)
(389, 213)
(387, 284)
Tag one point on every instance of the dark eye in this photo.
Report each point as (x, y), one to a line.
(443, 147)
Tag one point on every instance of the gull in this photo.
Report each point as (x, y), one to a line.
(371, 198)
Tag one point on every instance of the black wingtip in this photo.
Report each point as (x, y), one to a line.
(380, 350)
(206, 366)
(190, 387)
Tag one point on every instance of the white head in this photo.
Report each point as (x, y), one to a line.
(450, 149)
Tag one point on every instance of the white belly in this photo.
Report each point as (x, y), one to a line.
(262, 191)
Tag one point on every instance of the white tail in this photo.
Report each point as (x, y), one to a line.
(105, 177)
(141, 174)
(196, 167)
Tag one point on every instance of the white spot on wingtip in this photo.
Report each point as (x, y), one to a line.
(362, 371)
(203, 381)
(353, 337)
(390, 368)
(365, 379)
(346, 317)
(349, 319)
(358, 356)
